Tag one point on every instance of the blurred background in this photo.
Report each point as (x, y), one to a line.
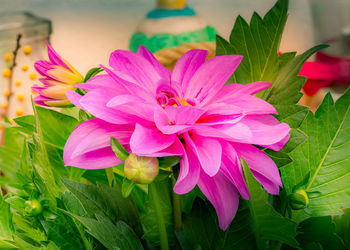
(85, 32)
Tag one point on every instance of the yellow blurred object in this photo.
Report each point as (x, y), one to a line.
(171, 4)
(1, 128)
(18, 83)
(27, 50)
(6, 93)
(25, 67)
(19, 111)
(20, 97)
(32, 76)
(6, 73)
(4, 105)
(8, 57)
(34, 93)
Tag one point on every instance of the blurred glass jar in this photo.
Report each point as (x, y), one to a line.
(332, 26)
(15, 85)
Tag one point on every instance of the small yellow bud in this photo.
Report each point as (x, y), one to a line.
(18, 83)
(20, 97)
(27, 50)
(25, 67)
(141, 169)
(6, 93)
(19, 111)
(33, 207)
(8, 57)
(32, 76)
(299, 199)
(6, 73)
(4, 105)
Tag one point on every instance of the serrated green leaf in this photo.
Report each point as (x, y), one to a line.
(325, 155)
(118, 149)
(287, 84)
(268, 224)
(119, 236)
(258, 43)
(106, 200)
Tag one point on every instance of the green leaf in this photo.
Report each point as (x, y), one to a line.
(267, 223)
(325, 155)
(27, 121)
(106, 200)
(149, 219)
(258, 43)
(168, 162)
(342, 226)
(41, 161)
(118, 149)
(119, 236)
(287, 84)
(127, 187)
(92, 72)
(6, 226)
(319, 230)
(279, 157)
(201, 230)
(56, 127)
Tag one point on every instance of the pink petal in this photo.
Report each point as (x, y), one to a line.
(187, 65)
(207, 150)
(211, 76)
(162, 122)
(136, 66)
(231, 168)
(222, 194)
(266, 130)
(54, 57)
(263, 168)
(147, 140)
(89, 145)
(162, 71)
(95, 102)
(250, 105)
(230, 91)
(189, 172)
(74, 98)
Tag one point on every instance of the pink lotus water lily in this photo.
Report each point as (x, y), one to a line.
(58, 77)
(188, 112)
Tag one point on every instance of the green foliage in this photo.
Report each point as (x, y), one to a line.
(119, 150)
(258, 43)
(159, 195)
(319, 231)
(268, 224)
(119, 236)
(201, 231)
(325, 156)
(92, 72)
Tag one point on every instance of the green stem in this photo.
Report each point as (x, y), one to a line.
(160, 219)
(176, 208)
(110, 176)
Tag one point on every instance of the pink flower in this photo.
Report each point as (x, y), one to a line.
(188, 112)
(59, 76)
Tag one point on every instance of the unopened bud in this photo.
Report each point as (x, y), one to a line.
(33, 207)
(299, 199)
(141, 169)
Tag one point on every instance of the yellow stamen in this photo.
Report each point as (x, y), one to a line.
(183, 101)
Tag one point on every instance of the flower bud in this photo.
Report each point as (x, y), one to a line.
(33, 207)
(141, 169)
(58, 77)
(299, 199)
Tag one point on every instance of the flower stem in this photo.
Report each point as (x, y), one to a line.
(110, 176)
(176, 208)
(160, 219)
